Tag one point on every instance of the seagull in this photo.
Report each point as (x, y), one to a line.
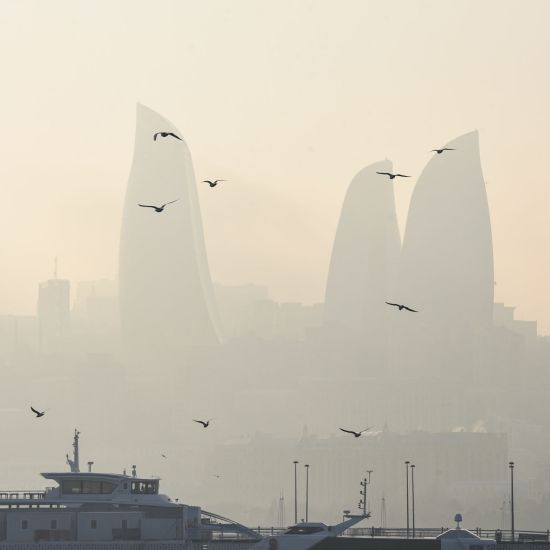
(38, 413)
(163, 455)
(157, 208)
(392, 176)
(212, 183)
(439, 151)
(401, 306)
(204, 424)
(356, 434)
(217, 476)
(165, 134)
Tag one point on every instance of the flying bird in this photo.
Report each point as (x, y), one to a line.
(205, 424)
(38, 413)
(212, 183)
(401, 306)
(439, 151)
(356, 434)
(393, 176)
(163, 455)
(157, 208)
(217, 476)
(165, 134)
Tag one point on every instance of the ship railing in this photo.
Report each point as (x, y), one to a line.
(500, 535)
(22, 494)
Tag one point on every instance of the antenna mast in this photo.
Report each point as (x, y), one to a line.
(74, 464)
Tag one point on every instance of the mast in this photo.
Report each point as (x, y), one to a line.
(74, 464)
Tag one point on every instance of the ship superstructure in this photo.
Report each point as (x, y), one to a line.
(101, 508)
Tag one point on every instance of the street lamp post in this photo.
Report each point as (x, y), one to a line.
(407, 462)
(295, 492)
(307, 491)
(511, 466)
(412, 497)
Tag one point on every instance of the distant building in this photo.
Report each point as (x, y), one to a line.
(239, 306)
(103, 288)
(450, 467)
(503, 316)
(166, 298)
(365, 255)
(54, 314)
(447, 259)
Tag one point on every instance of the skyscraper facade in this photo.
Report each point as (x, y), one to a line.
(364, 257)
(166, 296)
(447, 258)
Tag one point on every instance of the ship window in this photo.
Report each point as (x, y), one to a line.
(144, 487)
(107, 488)
(303, 530)
(91, 487)
(70, 487)
(24, 524)
(53, 524)
(93, 524)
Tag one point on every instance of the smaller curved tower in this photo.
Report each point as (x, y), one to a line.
(364, 256)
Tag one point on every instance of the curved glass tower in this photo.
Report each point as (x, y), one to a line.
(166, 296)
(364, 255)
(447, 259)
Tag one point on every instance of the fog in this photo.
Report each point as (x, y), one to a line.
(262, 303)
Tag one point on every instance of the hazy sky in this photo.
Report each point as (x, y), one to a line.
(288, 100)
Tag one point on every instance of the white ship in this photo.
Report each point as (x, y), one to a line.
(96, 511)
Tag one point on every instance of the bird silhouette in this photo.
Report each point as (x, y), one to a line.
(356, 434)
(439, 151)
(393, 176)
(163, 455)
(165, 134)
(401, 306)
(38, 413)
(204, 423)
(212, 183)
(157, 208)
(217, 476)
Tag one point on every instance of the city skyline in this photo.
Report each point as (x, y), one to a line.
(288, 157)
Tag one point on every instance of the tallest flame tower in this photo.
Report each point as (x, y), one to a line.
(166, 296)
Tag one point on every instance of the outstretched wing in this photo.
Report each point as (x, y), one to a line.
(384, 173)
(402, 176)
(174, 135)
(207, 181)
(167, 203)
(147, 206)
(365, 430)
(448, 149)
(390, 304)
(155, 136)
(348, 431)
(200, 422)
(35, 411)
(409, 309)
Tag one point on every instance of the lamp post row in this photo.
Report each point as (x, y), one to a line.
(408, 466)
(411, 467)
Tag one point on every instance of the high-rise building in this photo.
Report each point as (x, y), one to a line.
(446, 269)
(364, 257)
(447, 259)
(54, 314)
(166, 297)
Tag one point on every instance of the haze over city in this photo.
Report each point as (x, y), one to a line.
(365, 284)
(288, 100)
